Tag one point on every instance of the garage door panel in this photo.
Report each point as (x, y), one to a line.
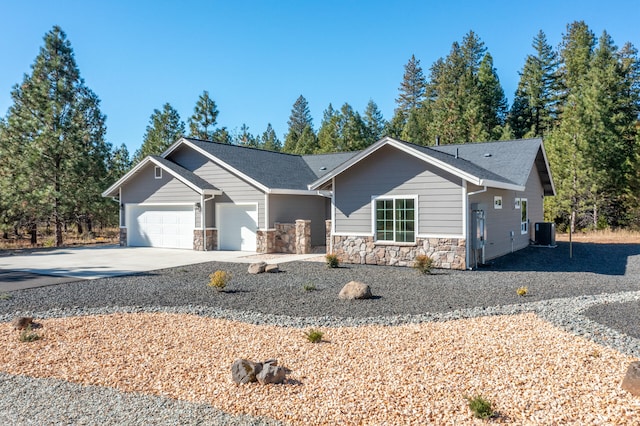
(161, 226)
(237, 227)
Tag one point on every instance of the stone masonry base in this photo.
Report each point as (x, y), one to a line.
(212, 239)
(447, 253)
(292, 238)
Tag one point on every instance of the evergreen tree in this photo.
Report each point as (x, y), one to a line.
(374, 123)
(53, 142)
(202, 122)
(533, 110)
(222, 135)
(245, 138)
(353, 132)
(492, 100)
(165, 127)
(308, 142)
(269, 140)
(299, 120)
(412, 88)
(329, 132)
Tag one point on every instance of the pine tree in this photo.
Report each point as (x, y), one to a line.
(492, 100)
(245, 138)
(329, 132)
(53, 142)
(374, 123)
(164, 128)
(533, 112)
(412, 88)
(269, 140)
(299, 120)
(202, 122)
(353, 133)
(222, 135)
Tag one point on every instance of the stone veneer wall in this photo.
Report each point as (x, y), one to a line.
(123, 237)
(212, 239)
(327, 233)
(285, 238)
(447, 253)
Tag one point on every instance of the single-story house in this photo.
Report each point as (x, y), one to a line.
(459, 204)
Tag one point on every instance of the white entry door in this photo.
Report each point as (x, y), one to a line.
(237, 226)
(160, 226)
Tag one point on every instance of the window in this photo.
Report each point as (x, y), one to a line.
(524, 216)
(158, 172)
(497, 202)
(395, 220)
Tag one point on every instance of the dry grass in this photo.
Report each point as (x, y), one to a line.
(605, 236)
(70, 238)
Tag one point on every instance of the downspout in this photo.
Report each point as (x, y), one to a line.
(469, 194)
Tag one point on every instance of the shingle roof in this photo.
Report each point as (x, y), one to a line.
(184, 173)
(512, 160)
(321, 164)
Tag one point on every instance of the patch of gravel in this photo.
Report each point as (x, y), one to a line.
(595, 295)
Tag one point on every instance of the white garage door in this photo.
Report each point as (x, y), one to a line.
(160, 226)
(237, 226)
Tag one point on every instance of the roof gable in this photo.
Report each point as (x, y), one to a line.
(496, 164)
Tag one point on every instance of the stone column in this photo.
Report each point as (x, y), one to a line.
(123, 237)
(303, 236)
(327, 233)
(265, 240)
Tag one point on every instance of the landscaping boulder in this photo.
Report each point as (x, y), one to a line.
(355, 290)
(272, 269)
(20, 323)
(271, 373)
(631, 381)
(257, 268)
(245, 371)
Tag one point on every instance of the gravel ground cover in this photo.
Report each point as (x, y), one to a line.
(595, 295)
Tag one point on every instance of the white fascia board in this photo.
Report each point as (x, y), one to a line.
(173, 147)
(219, 162)
(501, 185)
(278, 191)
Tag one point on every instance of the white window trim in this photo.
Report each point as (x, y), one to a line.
(524, 226)
(155, 172)
(497, 202)
(395, 197)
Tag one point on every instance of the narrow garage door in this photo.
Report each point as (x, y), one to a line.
(237, 226)
(161, 226)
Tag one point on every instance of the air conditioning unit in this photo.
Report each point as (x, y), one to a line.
(545, 233)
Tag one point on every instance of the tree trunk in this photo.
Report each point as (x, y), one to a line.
(34, 234)
(572, 223)
(89, 226)
(80, 230)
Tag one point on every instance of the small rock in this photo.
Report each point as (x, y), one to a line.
(272, 269)
(257, 268)
(631, 381)
(245, 371)
(355, 290)
(20, 323)
(271, 373)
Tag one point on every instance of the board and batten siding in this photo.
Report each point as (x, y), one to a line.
(144, 188)
(235, 190)
(391, 172)
(289, 208)
(500, 222)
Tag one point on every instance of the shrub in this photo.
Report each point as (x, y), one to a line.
(314, 336)
(481, 407)
(423, 264)
(5, 296)
(332, 260)
(309, 287)
(219, 280)
(28, 335)
(522, 291)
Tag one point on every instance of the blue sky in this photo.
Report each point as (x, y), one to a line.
(256, 57)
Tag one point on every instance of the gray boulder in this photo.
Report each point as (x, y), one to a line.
(272, 269)
(20, 323)
(631, 381)
(271, 373)
(355, 290)
(257, 268)
(245, 371)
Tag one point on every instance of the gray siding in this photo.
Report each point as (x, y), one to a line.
(500, 222)
(235, 190)
(288, 208)
(389, 171)
(143, 187)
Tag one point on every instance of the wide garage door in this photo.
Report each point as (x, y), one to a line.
(237, 226)
(160, 226)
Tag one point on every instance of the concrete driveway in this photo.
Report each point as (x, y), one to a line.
(27, 270)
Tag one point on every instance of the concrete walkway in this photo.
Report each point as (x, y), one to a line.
(106, 261)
